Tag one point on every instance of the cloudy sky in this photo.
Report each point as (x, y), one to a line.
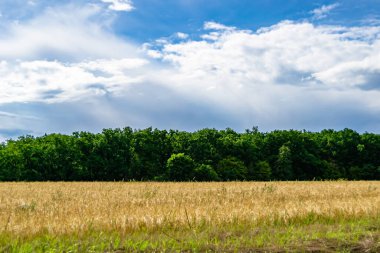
(85, 65)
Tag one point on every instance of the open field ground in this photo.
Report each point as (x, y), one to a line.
(236, 216)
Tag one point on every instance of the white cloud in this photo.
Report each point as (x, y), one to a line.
(323, 11)
(67, 33)
(31, 2)
(182, 35)
(290, 75)
(52, 81)
(217, 26)
(280, 75)
(119, 5)
(287, 53)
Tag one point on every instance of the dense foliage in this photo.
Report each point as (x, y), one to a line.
(205, 155)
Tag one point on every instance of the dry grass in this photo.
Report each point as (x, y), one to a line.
(64, 208)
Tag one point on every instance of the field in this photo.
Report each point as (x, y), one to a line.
(328, 216)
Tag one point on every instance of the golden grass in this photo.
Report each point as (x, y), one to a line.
(64, 208)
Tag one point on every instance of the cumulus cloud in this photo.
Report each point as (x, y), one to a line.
(217, 26)
(290, 75)
(323, 11)
(66, 33)
(119, 5)
(288, 53)
(53, 81)
(182, 35)
(283, 74)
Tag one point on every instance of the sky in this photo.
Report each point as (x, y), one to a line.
(86, 65)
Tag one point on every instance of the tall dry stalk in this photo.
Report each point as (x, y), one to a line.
(58, 208)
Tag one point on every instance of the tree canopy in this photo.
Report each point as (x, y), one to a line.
(204, 155)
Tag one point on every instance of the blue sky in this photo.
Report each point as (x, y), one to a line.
(188, 64)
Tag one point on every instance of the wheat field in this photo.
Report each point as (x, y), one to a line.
(29, 210)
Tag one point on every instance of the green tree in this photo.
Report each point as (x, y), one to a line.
(365, 172)
(331, 170)
(116, 154)
(231, 168)
(202, 145)
(180, 167)
(263, 171)
(205, 172)
(284, 167)
(11, 163)
(153, 150)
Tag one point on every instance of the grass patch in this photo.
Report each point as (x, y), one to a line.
(190, 217)
(342, 236)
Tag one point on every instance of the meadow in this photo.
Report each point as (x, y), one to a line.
(325, 216)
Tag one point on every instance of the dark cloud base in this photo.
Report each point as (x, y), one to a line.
(149, 105)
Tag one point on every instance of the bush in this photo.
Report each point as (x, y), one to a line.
(331, 170)
(232, 168)
(366, 172)
(180, 167)
(263, 171)
(206, 173)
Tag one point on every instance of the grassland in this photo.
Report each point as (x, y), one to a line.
(236, 216)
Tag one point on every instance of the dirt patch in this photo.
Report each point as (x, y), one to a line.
(369, 244)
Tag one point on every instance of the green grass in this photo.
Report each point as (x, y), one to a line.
(190, 217)
(318, 235)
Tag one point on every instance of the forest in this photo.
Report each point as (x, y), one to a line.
(205, 155)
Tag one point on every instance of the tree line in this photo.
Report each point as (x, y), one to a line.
(204, 155)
